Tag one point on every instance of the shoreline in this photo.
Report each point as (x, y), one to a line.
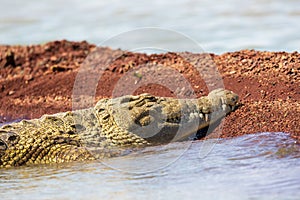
(39, 79)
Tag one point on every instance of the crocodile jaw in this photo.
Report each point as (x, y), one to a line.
(161, 120)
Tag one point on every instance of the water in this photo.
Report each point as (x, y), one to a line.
(218, 26)
(258, 166)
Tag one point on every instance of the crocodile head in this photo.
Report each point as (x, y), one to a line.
(161, 120)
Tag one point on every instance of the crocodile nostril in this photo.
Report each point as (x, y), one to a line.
(3, 146)
(234, 99)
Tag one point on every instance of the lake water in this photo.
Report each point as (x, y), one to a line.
(257, 166)
(218, 26)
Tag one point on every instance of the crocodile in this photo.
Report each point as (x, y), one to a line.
(113, 127)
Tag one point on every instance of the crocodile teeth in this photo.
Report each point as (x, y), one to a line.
(233, 108)
(193, 115)
(224, 107)
(201, 115)
(223, 100)
(206, 117)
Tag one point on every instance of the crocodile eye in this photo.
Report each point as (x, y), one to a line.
(9, 138)
(78, 127)
(3, 146)
(12, 138)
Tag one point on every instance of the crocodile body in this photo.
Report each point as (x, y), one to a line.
(110, 128)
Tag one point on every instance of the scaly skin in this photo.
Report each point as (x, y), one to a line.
(110, 128)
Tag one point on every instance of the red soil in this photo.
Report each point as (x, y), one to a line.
(39, 79)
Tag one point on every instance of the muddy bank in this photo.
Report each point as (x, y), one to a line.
(39, 79)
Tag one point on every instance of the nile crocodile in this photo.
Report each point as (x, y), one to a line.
(110, 128)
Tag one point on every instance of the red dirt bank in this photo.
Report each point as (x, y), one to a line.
(39, 79)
